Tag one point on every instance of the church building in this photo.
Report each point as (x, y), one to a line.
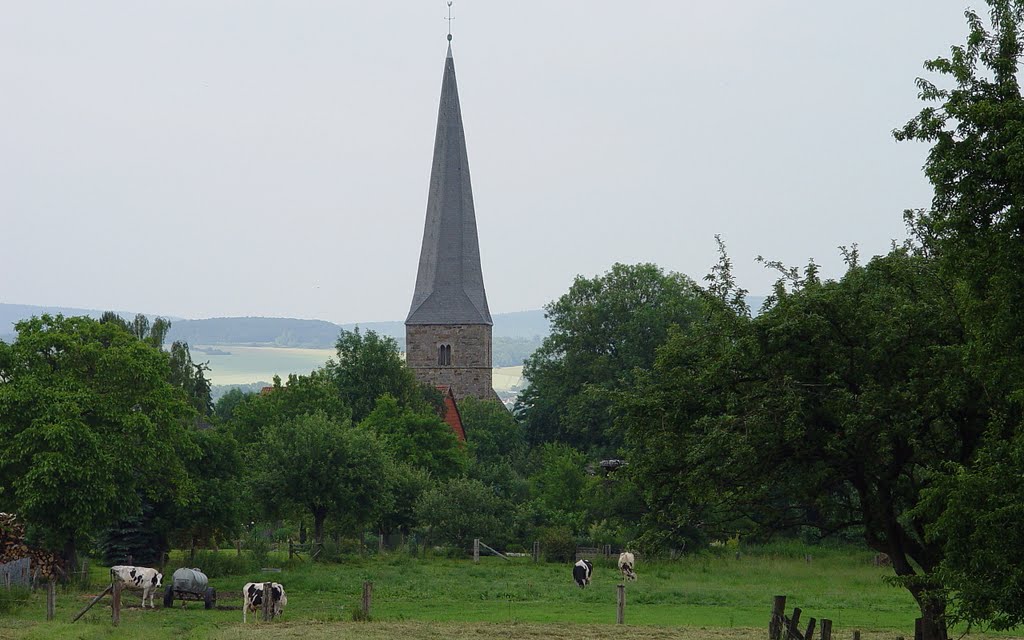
(448, 330)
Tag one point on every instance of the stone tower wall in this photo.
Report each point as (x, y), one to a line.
(470, 371)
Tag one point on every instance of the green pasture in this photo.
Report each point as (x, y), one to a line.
(706, 595)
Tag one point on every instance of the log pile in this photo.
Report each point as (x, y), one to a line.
(45, 564)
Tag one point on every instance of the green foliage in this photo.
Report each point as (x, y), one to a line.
(218, 565)
(833, 408)
(408, 483)
(975, 125)
(557, 486)
(601, 330)
(558, 544)
(324, 466)
(419, 439)
(369, 366)
(463, 509)
(225, 405)
(217, 510)
(88, 425)
(492, 433)
(297, 397)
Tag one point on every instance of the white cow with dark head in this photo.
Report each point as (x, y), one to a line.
(627, 565)
(252, 598)
(138, 578)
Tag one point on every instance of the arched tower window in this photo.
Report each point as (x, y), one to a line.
(444, 355)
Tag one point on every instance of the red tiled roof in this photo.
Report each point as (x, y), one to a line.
(451, 412)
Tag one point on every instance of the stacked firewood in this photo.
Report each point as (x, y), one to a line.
(13, 547)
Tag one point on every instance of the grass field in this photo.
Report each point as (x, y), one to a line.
(238, 364)
(704, 596)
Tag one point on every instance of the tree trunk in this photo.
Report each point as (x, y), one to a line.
(70, 554)
(319, 515)
(933, 615)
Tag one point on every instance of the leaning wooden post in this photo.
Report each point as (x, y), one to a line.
(620, 607)
(775, 624)
(536, 550)
(826, 629)
(476, 549)
(809, 634)
(367, 602)
(115, 606)
(792, 629)
(51, 599)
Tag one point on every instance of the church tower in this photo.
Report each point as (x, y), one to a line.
(448, 330)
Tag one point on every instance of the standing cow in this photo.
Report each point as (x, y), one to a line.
(138, 578)
(627, 565)
(252, 598)
(581, 572)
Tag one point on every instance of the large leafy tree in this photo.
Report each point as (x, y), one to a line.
(836, 408)
(493, 434)
(975, 230)
(419, 439)
(323, 466)
(369, 366)
(89, 427)
(601, 331)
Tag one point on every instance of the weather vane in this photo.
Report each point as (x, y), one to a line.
(449, 19)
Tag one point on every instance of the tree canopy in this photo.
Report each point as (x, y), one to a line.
(601, 331)
(90, 426)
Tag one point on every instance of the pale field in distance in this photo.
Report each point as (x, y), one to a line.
(246, 364)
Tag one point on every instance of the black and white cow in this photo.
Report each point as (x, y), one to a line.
(627, 565)
(138, 578)
(252, 598)
(581, 572)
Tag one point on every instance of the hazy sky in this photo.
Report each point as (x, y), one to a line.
(254, 157)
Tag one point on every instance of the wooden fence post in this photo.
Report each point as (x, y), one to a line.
(775, 624)
(289, 548)
(380, 543)
(476, 549)
(238, 546)
(268, 595)
(130, 559)
(918, 628)
(620, 608)
(856, 635)
(792, 629)
(826, 629)
(367, 603)
(809, 634)
(115, 606)
(536, 550)
(51, 599)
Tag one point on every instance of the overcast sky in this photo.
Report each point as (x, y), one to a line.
(207, 158)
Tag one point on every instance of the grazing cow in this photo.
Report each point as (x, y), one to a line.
(139, 578)
(627, 565)
(252, 598)
(581, 572)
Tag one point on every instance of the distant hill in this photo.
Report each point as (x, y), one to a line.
(13, 313)
(514, 333)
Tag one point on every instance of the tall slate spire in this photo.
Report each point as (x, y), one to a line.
(449, 283)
